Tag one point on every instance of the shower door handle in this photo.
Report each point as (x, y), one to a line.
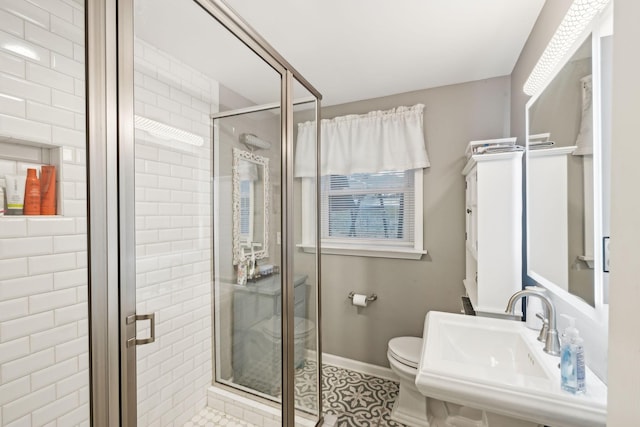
(152, 336)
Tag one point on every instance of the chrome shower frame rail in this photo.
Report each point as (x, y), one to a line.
(257, 108)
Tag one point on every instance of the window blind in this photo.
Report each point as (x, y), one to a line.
(376, 206)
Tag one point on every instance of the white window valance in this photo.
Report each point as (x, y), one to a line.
(378, 141)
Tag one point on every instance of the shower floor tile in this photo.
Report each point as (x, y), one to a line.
(210, 417)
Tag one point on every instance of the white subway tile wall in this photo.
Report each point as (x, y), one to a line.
(44, 378)
(43, 274)
(173, 238)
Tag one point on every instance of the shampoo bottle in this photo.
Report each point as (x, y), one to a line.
(572, 368)
(15, 194)
(48, 190)
(32, 193)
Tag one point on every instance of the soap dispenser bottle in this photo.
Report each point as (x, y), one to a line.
(572, 368)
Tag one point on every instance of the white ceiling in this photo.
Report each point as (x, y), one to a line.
(358, 49)
(348, 49)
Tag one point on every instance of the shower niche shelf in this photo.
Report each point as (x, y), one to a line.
(17, 155)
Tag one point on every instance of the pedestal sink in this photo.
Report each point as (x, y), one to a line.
(498, 366)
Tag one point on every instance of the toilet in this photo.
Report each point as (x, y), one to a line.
(410, 406)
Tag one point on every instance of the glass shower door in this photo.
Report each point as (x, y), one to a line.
(247, 250)
(186, 67)
(306, 259)
(249, 311)
(215, 279)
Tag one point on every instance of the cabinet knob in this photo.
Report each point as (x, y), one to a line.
(468, 211)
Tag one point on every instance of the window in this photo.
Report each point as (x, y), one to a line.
(372, 214)
(246, 212)
(363, 207)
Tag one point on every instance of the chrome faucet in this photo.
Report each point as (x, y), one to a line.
(551, 343)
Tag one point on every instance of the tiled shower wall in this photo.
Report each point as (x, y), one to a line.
(43, 274)
(173, 237)
(43, 263)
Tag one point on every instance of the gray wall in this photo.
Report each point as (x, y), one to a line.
(408, 289)
(624, 340)
(594, 332)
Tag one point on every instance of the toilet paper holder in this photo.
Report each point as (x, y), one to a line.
(370, 298)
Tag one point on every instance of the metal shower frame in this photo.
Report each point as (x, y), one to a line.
(111, 227)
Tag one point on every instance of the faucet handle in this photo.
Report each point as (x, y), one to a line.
(545, 327)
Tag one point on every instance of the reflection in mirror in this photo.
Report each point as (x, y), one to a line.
(568, 173)
(250, 206)
(563, 113)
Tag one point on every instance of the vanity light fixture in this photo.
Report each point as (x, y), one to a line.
(579, 15)
(166, 132)
(251, 140)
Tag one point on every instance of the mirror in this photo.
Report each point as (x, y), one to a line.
(250, 205)
(567, 173)
(561, 173)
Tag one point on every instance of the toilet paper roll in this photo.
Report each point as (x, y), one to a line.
(359, 300)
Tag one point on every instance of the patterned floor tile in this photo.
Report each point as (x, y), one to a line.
(306, 387)
(385, 420)
(354, 393)
(358, 400)
(350, 421)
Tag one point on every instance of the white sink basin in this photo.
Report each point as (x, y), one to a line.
(499, 366)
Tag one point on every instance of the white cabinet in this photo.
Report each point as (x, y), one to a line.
(493, 204)
(548, 222)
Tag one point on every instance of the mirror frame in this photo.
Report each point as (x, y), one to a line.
(239, 254)
(601, 310)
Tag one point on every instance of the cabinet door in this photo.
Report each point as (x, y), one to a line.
(471, 214)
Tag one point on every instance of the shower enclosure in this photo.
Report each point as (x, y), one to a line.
(169, 269)
(218, 295)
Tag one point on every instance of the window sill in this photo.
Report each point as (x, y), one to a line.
(397, 252)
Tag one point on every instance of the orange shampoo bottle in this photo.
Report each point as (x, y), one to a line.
(32, 193)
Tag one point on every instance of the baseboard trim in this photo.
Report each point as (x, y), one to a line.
(356, 365)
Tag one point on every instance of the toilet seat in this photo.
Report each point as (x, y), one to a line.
(406, 350)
